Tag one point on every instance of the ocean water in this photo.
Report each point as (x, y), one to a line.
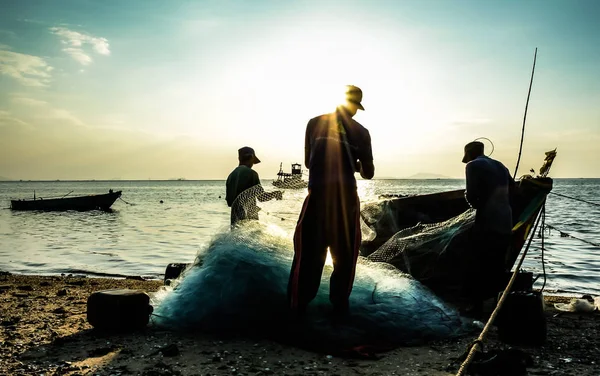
(142, 235)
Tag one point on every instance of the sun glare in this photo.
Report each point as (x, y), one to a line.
(328, 260)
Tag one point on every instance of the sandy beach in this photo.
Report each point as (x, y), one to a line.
(44, 331)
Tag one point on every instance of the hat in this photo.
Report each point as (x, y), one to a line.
(245, 153)
(354, 96)
(472, 147)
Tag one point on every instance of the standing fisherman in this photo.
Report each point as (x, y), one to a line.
(336, 146)
(242, 179)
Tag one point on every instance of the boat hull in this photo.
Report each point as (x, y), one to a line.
(81, 203)
(430, 237)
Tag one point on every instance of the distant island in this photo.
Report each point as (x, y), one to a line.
(425, 175)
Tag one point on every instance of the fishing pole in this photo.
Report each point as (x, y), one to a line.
(525, 115)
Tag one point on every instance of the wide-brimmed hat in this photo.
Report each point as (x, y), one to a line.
(246, 152)
(354, 96)
(472, 147)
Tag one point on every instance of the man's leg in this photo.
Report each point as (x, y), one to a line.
(310, 252)
(475, 275)
(346, 237)
(486, 269)
(498, 248)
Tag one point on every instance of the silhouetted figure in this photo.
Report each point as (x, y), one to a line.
(336, 146)
(489, 186)
(241, 179)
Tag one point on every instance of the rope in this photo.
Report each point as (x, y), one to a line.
(576, 199)
(278, 217)
(485, 138)
(525, 115)
(479, 341)
(543, 248)
(567, 235)
(126, 201)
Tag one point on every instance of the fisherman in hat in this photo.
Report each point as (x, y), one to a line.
(489, 187)
(240, 198)
(336, 147)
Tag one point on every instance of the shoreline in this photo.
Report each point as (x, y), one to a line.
(44, 330)
(159, 278)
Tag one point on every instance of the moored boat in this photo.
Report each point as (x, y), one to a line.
(79, 203)
(290, 180)
(428, 236)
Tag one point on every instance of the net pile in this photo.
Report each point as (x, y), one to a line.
(435, 254)
(238, 285)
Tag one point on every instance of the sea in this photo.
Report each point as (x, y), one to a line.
(155, 223)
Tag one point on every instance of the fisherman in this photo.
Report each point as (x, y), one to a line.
(488, 190)
(241, 179)
(336, 146)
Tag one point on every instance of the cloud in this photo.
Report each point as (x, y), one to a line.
(29, 70)
(77, 42)
(44, 111)
(62, 114)
(29, 101)
(78, 55)
(8, 120)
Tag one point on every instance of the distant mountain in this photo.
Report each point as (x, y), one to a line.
(426, 175)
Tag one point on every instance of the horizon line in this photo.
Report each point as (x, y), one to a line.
(224, 179)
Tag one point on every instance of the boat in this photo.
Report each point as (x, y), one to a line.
(290, 181)
(427, 236)
(80, 203)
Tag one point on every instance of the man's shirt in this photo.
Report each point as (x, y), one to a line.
(336, 142)
(240, 179)
(488, 189)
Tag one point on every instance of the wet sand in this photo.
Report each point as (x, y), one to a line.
(44, 330)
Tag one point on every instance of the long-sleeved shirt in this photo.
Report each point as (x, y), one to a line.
(335, 142)
(240, 179)
(488, 189)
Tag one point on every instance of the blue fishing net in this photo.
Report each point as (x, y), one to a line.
(238, 284)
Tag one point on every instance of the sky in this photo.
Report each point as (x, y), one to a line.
(171, 89)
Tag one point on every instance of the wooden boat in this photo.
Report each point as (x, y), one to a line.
(427, 236)
(80, 203)
(290, 181)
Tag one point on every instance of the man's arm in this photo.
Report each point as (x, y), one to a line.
(365, 163)
(512, 187)
(228, 192)
(263, 196)
(267, 196)
(472, 194)
(307, 145)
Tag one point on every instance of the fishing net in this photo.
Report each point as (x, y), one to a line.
(238, 284)
(435, 254)
(274, 211)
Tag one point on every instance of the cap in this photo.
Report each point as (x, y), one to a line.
(354, 96)
(245, 153)
(474, 147)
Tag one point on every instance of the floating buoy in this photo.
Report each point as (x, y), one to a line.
(161, 201)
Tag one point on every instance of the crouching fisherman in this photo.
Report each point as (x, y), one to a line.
(488, 190)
